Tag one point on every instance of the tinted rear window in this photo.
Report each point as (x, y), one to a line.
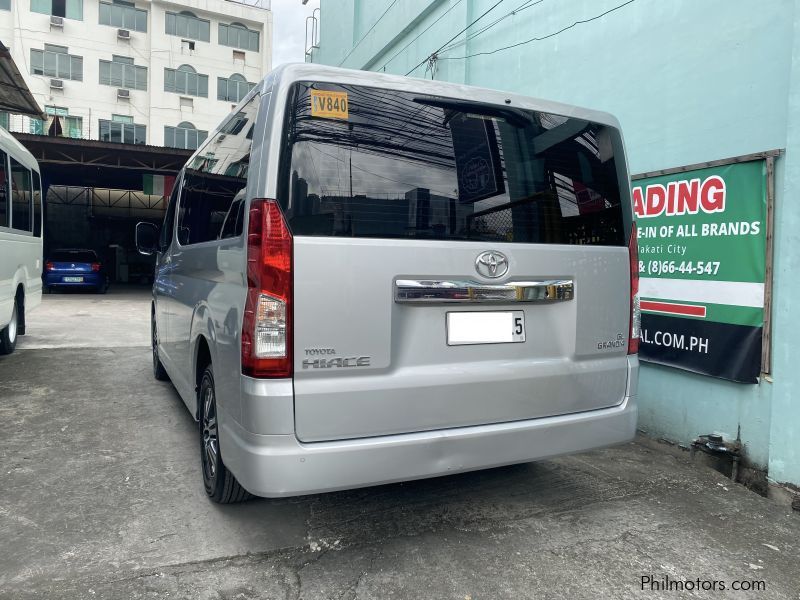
(370, 162)
(74, 256)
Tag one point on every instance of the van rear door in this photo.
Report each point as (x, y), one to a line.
(455, 263)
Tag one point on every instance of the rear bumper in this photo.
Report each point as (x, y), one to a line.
(280, 465)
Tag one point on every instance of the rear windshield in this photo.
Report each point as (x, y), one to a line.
(371, 162)
(75, 256)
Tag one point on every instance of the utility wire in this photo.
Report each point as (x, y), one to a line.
(388, 8)
(525, 5)
(537, 39)
(435, 52)
(420, 34)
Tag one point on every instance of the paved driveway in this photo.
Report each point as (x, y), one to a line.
(102, 498)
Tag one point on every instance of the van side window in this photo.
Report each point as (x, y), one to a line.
(20, 197)
(4, 212)
(234, 220)
(37, 204)
(169, 218)
(215, 178)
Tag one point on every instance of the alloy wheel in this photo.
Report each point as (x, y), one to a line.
(154, 344)
(210, 436)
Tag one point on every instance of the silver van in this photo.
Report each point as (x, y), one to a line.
(364, 278)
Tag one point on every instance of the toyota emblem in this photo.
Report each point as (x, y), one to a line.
(491, 264)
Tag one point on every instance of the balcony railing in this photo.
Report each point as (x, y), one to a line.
(68, 126)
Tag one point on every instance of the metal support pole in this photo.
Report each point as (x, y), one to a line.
(766, 332)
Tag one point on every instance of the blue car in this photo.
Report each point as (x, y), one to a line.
(75, 269)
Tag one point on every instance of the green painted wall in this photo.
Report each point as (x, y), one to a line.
(690, 82)
(784, 449)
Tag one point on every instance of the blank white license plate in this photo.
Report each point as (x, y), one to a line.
(72, 279)
(485, 327)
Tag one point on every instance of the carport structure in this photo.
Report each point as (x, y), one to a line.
(94, 196)
(15, 97)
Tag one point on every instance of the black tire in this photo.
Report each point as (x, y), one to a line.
(219, 483)
(8, 336)
(159, 372)
(101, 289)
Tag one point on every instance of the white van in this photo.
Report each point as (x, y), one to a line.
(20, 239)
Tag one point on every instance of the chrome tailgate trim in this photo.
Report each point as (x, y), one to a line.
(416, 291)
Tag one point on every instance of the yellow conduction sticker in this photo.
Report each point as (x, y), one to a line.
(329, 105)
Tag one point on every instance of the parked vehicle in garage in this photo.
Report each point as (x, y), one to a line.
(20, 239)
(75, 269)
(364, 278)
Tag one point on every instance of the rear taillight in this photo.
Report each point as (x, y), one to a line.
(267, 322)
(49, 266)
(636, 315)
(95, 266)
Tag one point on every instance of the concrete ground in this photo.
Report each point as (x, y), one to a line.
(69, 319)
(102, 498)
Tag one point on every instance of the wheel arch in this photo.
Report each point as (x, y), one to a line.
(202, 358)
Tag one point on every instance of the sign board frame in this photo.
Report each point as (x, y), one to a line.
(769, 159)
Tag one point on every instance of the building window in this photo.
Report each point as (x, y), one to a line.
(122, 130)
(123, 14)
(73, 127)
(237, 35)
(4, 120)
(185, 24)
(5, 4)
(61, 124)
(70, 9)
(185, 80)
(233, 88)
(122, 73)
(35, 126)
(55, 61)
(185, 136)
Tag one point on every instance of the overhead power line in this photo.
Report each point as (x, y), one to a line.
(388, 8)
(435, 52)
(421, 33)
(538, 39)
(525, 5)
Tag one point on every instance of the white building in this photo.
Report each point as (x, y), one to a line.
(146, 71)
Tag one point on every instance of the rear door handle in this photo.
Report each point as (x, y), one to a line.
(417, 291)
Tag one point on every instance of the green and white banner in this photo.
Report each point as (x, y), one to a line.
(702, 264)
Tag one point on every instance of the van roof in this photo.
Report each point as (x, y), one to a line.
(10, 145)
(292, 72)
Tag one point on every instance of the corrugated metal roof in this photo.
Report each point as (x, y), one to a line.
(15, 97)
